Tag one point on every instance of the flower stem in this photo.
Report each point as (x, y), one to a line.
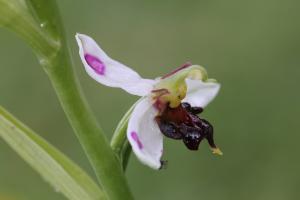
(90, 135)
(104, 162)
(16, 17)
(38, 23)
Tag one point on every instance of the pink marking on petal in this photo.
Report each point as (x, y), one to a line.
(96, 64)
(185, 65)
(135, 137)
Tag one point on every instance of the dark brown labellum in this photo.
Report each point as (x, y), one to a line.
(183, 123)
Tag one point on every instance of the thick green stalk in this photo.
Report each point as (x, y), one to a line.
(37, 22)
(90, 135)
(16, 17)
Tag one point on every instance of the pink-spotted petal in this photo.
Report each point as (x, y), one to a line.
(144, 135)
(110, 72)
(200, 93)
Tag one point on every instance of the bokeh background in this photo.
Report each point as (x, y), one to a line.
(251, 47)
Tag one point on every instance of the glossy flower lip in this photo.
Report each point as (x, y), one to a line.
(188, 83)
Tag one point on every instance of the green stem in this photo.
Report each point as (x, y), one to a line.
(48, 43)
(90, 135)
(16, 17)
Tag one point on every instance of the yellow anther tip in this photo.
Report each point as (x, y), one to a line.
(217, 151)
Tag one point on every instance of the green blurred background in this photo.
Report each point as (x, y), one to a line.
(251, 47)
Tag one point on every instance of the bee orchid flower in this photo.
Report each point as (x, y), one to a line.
(169, 107)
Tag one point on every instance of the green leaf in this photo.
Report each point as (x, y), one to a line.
(63, 174)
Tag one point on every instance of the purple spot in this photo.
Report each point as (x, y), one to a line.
(135, 137)
(96, 64)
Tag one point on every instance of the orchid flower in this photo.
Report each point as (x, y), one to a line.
(169, 106)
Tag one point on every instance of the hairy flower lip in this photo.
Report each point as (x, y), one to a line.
(188, 83)
(183, 123)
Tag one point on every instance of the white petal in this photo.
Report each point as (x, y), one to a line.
(200, 93)
(144, 135)
(110, 72)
